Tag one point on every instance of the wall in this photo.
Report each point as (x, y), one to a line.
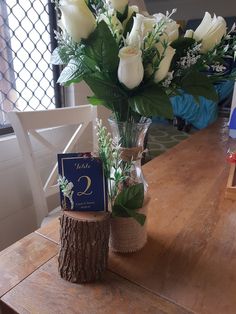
(187, 9)
(78, 93)
(16, 216)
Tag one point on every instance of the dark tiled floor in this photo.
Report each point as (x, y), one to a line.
(162, 137)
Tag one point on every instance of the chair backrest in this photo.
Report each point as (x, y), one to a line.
(28, 123)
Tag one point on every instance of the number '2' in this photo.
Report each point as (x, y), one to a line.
(87, 187)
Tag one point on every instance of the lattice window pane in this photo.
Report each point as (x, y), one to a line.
(26, 76)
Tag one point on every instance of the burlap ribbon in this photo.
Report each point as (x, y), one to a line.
(127, 235)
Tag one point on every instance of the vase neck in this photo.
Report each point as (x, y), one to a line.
(132, 153)
(129, 135)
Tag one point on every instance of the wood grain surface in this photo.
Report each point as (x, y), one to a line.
(190, 257)
(50, 231)
(22, 258)
(44, 292)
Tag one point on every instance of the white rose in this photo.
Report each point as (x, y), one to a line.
(113, 22)
(159, 17)
(171, 29)
(130, 70)
(189, 33)
(77, 19)
(203, 26)
(135, 36)
(141, 26)
(164, 66)
(118, 5)
(210, 32)
(148, 23)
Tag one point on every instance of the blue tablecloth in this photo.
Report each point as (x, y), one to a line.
(200, 115)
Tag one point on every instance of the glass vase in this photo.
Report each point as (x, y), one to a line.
(128, 234)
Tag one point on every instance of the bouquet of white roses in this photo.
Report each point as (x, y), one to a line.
(135, 62)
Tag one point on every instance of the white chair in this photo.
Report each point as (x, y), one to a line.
(26, 125)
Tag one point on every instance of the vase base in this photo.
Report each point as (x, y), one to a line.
(127, 235)
(126, 250)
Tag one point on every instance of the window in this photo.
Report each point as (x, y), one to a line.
(27, 79)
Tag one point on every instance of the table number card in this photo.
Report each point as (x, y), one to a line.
(83, 186)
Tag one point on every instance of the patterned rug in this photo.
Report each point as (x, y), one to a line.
(162, 137)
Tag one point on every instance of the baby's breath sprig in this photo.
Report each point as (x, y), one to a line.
(97, 6)
(115, 169)
(67, 48)
(154, 35)
(191, 57)
(108, 14)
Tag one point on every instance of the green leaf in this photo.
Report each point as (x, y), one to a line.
(183, 43)
(197, 84)
(152, 101)
(128, 201)
(129, 25)
(104, 89)
(76, 69)
(114, 98)
(101, 46)
(131, 197)
(137, 216)
(93, 100)
(122, 16)
(121, 211)
(55, 57)
(70, 72)
(61, 55)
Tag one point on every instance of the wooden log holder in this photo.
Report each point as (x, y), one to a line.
(84, 238)
(230, 192)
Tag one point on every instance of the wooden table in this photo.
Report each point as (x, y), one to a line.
(188, 264)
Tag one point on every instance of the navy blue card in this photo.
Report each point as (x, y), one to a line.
(83, 186)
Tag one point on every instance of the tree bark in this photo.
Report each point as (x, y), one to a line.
(84, 245)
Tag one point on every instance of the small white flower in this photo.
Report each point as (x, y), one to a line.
(66, 189)
(191, 57)
(166, 83)
(170, 29)
(113, 23)
(217, 67)
(118, 5)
